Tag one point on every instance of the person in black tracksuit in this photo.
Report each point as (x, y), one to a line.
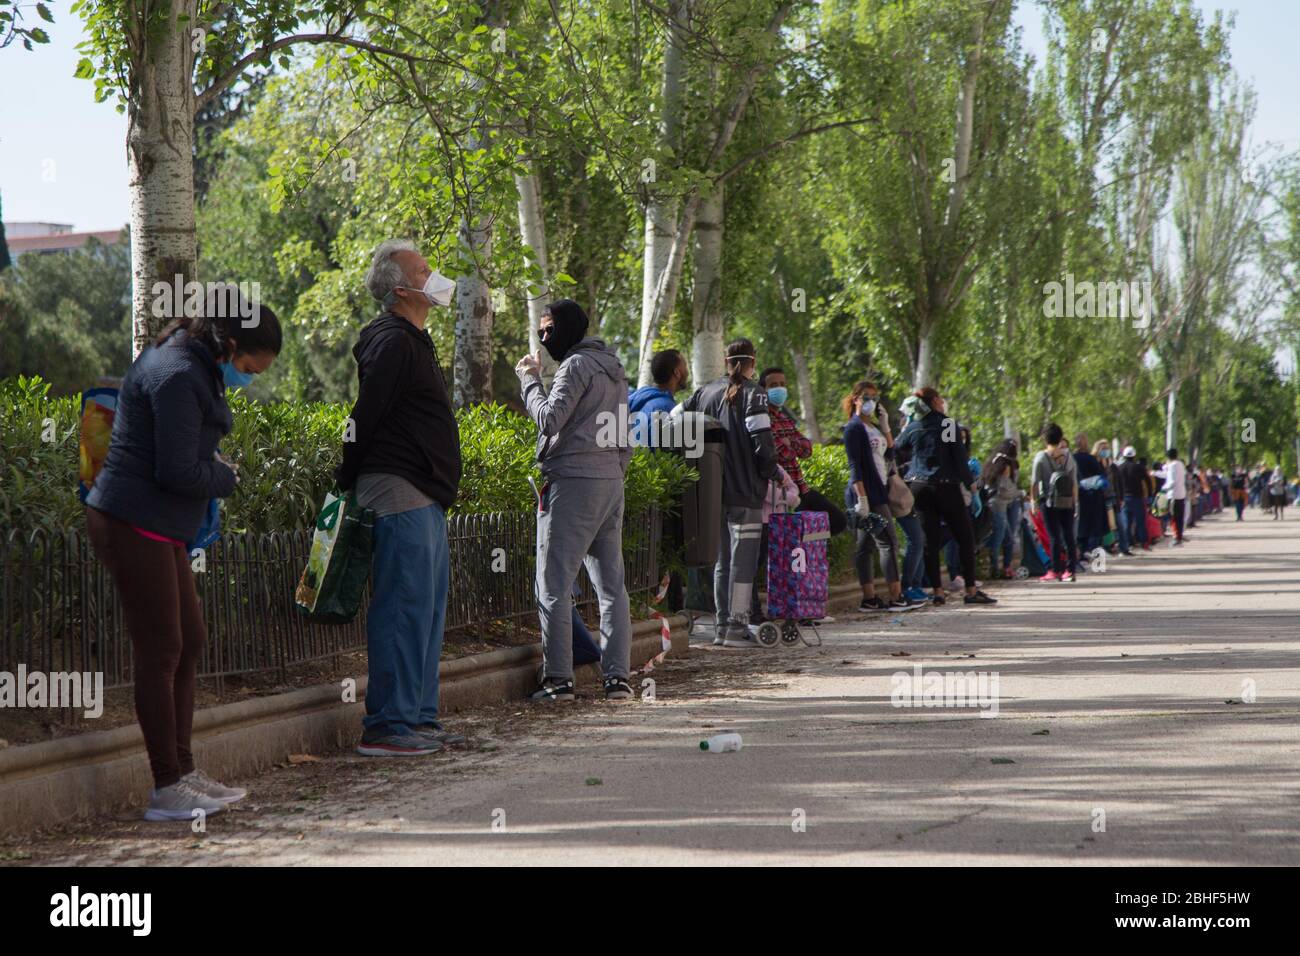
(749, 462)
(937, 471)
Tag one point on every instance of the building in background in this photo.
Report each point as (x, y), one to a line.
(25, 237)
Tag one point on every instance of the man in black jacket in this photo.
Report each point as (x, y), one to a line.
(401, 454)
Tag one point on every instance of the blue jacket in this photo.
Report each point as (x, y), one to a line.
(171, 414)
(932, 458)
(642, 404)
(862, 464)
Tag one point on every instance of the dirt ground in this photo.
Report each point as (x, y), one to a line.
(1146, 715)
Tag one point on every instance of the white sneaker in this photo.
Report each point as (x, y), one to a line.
(737, 642)
(179, 802)
(204, 784)
(957, 584)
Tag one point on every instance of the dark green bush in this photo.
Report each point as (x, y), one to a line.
(287, 453)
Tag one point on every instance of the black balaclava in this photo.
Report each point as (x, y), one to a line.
(570, 327)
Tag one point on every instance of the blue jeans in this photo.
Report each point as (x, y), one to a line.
(1121, 529)
(998, 535)
(1015, 514)
(1135, 519)
(408, 608)
(913, 552)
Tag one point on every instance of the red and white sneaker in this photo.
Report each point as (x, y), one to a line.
(1049, 576)
(1067, 577)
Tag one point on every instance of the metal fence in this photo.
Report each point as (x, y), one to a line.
(58, 610)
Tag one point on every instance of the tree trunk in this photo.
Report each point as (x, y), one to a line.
(160, 162)
(1170, 423)
(532, 232)
(475, 314)
(807, 402)
(707, 341)
(661, 210)
(923, 372)
(472, 366)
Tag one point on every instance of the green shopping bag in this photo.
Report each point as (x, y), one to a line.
(339, 564)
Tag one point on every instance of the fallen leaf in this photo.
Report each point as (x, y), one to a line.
(1002, 760)
(296, 759)
(594, 781)
(900, 654)
(1040, 733)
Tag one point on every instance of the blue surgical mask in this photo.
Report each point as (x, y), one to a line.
(778, 395)
(234, 378)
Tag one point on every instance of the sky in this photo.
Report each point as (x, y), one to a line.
(63, 156)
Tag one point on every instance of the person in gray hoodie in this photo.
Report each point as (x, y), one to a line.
(583, 456)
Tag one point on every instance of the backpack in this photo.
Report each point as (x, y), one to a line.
(98, 409)
(1060, 484)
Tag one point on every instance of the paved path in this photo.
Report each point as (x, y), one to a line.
(1120, 694)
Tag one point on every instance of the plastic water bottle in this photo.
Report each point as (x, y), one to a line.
(721, 743)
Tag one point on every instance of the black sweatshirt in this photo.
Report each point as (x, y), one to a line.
(749, 455)
(402, 423)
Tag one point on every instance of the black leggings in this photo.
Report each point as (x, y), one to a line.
(943, 500)
(1060, 532)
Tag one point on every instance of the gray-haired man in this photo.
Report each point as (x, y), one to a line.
(403, 458)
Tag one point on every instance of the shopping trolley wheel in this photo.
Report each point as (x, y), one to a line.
(1022, 572)
(768, 634)
(789, 632)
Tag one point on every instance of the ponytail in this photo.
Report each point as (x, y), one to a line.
(740, 360)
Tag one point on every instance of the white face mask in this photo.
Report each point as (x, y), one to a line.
(438, 289)
(868, 407)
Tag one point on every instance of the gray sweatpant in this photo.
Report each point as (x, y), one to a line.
(733, 575)
(582, 523)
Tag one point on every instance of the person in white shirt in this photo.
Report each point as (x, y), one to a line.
(1175, 475)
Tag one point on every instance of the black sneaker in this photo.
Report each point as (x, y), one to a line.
(938, 600)
(901, 604)
(435, 731)
(384, 744)
(617, 688)
(552, 690)
(873, 604)
(979, 597)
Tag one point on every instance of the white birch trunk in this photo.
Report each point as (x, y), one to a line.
(661, 210)
(1170, 417)
(706, 311)
(160, 163)
(923, 374)
(807, 401)
(532, 232)
(475, 316)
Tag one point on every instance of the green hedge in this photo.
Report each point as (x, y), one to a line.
(287, 454)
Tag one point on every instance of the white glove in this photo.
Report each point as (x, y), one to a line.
(863, 507)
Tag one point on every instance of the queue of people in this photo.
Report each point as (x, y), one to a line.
(909, 497)
(1079, 497)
